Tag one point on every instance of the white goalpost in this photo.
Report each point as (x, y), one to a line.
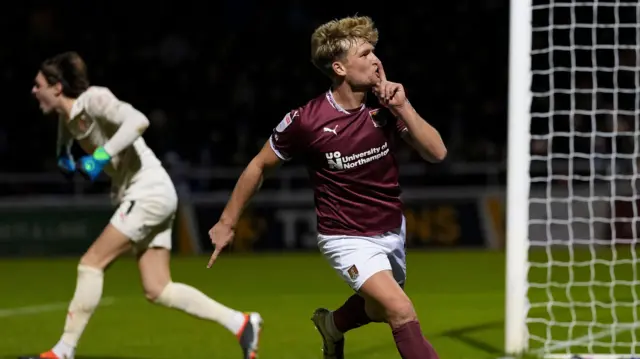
(572, 283)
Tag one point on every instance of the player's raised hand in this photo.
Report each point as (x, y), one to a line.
(221, 235)
(390, 94)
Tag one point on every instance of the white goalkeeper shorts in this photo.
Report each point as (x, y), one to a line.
(148, 220)
(357, 258)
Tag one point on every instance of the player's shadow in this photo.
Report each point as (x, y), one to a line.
(368, 351)
(464, 335)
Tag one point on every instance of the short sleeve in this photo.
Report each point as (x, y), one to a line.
(287, 138)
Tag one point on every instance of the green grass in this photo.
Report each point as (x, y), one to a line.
(459, 297)
(603, 293)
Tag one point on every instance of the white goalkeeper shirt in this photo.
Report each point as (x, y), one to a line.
(95, 117)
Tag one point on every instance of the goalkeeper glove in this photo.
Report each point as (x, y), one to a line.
(90, 166)
(67, 165)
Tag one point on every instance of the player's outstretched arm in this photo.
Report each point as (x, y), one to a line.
(248, 184)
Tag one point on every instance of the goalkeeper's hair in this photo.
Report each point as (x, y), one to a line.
(68, 69)
(332, 41)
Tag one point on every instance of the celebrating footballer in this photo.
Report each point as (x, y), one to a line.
(348, 149)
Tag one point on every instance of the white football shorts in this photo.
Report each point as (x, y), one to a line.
(357, 258)
(147, 219)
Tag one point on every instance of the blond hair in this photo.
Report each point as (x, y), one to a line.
(332, 40)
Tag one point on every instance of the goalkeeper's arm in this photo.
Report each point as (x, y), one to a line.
(132, 125)
(64, 142)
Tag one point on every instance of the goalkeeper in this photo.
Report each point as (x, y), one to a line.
(110, 130)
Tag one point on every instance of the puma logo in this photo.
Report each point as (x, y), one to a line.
(332, 130)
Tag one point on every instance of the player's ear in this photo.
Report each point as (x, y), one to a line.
(339, 68)
(58, 88)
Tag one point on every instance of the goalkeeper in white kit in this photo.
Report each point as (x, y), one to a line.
(109, 131)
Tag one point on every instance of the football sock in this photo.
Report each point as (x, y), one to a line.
(63, 350)
(350, 315)
(192, 301)
(85, 300)
(411, 343)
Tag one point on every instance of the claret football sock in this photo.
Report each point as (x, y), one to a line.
(351, 314)
(411, 343)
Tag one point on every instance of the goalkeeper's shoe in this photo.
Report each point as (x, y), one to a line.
(249, 335)
(48, 355)
(331, 348)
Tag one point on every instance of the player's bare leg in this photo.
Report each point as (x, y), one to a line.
(382, 289)
(380, 299)
(375, 311)
(160, 289)
(109, 245)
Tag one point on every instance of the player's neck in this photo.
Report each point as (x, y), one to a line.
(346, 97)
(65, 107)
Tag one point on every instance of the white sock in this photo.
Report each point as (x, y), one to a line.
(196, 303)
(63, 350)
(85, 300)
(331, 326)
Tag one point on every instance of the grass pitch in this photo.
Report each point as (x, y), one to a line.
(459, 297)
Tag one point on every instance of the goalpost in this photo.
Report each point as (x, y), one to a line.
(573, 185)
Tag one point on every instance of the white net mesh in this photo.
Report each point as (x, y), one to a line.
(583, 277)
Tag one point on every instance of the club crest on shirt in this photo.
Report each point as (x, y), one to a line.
(81, 125)
(377, 118)
(286, 121)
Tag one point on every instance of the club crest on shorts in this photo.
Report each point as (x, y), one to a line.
(353, 272)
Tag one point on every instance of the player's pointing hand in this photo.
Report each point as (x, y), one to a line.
(390, 94)
(221, 235)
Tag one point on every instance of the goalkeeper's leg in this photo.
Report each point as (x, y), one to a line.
(109, 245)
(160, 289)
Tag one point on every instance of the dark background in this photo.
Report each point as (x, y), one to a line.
(215, 78)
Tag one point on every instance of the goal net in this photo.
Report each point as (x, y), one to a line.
(573, 288)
